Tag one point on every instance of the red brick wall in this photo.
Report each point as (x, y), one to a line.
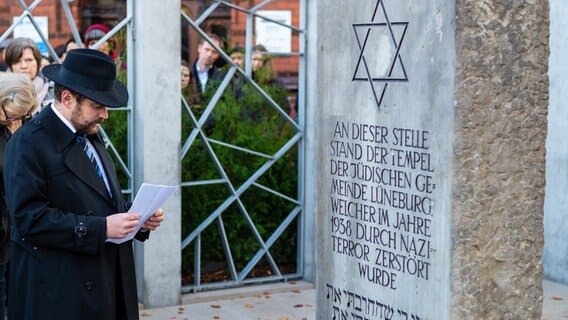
(59, 31)
(283, 66)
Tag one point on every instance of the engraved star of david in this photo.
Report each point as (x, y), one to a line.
(369, 68)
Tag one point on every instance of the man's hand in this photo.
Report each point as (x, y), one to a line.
(154, 221)
(119, 225)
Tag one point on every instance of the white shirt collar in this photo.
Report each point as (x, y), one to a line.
(199, 69)
(67, 123)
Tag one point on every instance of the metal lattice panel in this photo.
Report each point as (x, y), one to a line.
(199, 135)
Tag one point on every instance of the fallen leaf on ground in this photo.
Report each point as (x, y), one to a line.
(216, 306)
(557, 298)
(298, 306)
(249, 306)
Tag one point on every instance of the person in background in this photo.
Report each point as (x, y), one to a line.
(207, 76)
(264, 75)
(93, 34)
(60, 52)
(262, 65)
(185, 74)
(17, 101)
(3, 46)
(188, 88)
(65, 202)
(70, 45)
(23, 56)
(45, 61)
(238, 56)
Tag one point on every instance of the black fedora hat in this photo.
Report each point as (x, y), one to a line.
(90, 73)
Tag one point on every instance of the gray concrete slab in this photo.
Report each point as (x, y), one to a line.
(281, 301)
(293, 301)
(555, 302)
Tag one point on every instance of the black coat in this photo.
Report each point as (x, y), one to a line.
(56, 272)
(215, 76)
(4, 220)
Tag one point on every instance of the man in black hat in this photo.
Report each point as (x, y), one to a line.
(64, 200)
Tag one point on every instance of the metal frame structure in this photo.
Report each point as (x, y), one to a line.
(240, 277)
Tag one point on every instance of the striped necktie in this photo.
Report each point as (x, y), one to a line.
(90, 154)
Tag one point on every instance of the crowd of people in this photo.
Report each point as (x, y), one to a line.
(202, 78)
(60, 199)
(22, 55)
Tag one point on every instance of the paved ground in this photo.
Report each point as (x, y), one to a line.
(555, 302)
(282, 301)
(293, 301)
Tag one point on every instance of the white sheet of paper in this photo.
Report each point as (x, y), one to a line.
(150, 197)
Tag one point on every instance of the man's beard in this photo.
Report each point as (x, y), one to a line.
(86, 128)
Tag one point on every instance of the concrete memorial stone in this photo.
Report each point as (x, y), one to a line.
(431, 159)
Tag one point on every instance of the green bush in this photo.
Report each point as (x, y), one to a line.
(249, 122)
(116, 127)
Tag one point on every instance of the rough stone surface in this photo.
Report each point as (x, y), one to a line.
(501, 119)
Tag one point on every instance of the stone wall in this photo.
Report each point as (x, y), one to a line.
(475, 91)
(384, 124)
(499, 179)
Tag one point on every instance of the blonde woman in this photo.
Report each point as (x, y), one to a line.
(18, 100)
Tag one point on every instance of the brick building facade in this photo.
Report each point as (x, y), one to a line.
(230, 24)
(84, 12)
